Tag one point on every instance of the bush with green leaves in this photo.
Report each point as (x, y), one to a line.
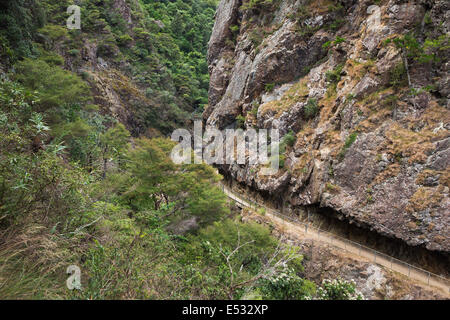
(289, 139)
(330, 43)
(427, 52)
(334, 76)
(238, 259)
(338, 289)
(311, 109)
(31, 171)
(256, 36)
(348, 142)
(269, 87)
(286, 285)
(19, 20)
(240, 121)
(56, 86)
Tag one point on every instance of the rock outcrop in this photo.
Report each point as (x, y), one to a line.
(365, 89)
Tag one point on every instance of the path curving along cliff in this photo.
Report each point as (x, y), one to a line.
(355, 249)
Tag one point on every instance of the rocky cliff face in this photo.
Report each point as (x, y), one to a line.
(364, 86)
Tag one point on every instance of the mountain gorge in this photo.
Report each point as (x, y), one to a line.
(359, 90)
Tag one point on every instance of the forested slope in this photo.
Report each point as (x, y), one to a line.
(144, 61)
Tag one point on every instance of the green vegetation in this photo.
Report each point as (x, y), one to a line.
(188, 26)
(258, 5)
(255, 108)
(269, 87)
(427, 52)
(240, 121)
(348, 142)
(77, 189)
(337, 41)
(18, 21)
(334, 76)
(390, 101)
(49, 197)
(289, 139)
(262, 211)
(430, 51)
(338, 290)
(311, 109)
(398, 77)
(256, 36)
(164, 49)
(55, 85)
(331, 187)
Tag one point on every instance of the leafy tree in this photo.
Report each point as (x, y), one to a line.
(32, 173)
(114, 143)
(158, 180)
(56, 86)
(19, 20)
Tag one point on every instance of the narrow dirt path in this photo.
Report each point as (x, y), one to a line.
(352, 248)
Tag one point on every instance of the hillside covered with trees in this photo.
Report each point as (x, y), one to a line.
(85, 173)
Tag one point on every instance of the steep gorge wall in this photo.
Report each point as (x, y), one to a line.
(371, 120)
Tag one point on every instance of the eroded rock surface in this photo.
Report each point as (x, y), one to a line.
(371, 119)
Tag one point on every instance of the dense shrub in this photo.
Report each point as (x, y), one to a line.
(311, 109)
(56, 86)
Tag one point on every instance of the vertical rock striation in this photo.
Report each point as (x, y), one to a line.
(365, 90)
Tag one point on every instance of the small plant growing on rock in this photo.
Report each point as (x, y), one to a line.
(256, 36)
(350, 97)
(391, 101)
(240, 121)
(269, 87)
(334, 76)
(370, 195)
(311, 109)
(289, 139)
(331, 187)
(282, 160)
(234, 32)
(350, 140)
(398, 77)
(254, 111)
(331, 171)
(327, 45)
(234, 28)
(337, 41)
